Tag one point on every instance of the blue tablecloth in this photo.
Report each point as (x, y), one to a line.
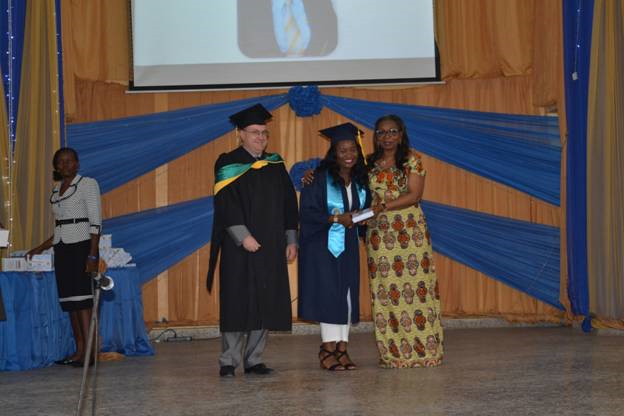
(37, 332)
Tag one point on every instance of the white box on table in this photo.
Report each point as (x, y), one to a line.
(4, 237)
(14, 264)
(41, 263)
(106, 241)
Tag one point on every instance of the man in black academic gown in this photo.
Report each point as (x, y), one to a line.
(255, 228)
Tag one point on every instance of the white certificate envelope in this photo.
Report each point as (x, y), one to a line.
(4, 237)
(362, 215)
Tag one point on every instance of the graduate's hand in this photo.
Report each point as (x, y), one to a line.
(291, 252)
(308, 177)
(345, 219)
(250, 244)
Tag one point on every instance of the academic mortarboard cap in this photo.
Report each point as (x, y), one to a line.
(256, 114)
(346, 131)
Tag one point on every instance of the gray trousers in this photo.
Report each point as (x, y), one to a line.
(232, 348)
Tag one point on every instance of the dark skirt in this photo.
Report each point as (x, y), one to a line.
(74, 284)
(2, 314)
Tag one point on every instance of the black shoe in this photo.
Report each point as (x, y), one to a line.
(80, 363)
(226, 371)
(65, 361)
(260, 369)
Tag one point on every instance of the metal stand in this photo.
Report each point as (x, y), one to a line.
(93, 338)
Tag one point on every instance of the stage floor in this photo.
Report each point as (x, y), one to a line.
(503, 372)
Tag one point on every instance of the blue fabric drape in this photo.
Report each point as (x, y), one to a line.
(117, 151)
(59, 62)
(520, 254)
(159, 238)
(523, 152)
(37, 332)
(12, 25)
(122, 328)
(520, 151)
(577, 32)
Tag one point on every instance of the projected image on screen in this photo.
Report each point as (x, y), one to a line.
(286, 28)
(255, 43)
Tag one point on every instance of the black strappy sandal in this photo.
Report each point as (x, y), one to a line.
(328, 354)
(340, 353)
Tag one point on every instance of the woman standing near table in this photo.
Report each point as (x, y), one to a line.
(78, 220)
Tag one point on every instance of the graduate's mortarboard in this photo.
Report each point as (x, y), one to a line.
(256, 114)
(346, 131)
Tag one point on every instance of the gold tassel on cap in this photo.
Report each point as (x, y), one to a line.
(359, 140)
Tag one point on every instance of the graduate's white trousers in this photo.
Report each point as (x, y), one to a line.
(336, 332)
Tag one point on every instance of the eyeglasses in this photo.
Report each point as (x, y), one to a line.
(389, 132)
(257, 133)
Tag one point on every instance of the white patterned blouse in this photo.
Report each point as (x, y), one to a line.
(78, 212)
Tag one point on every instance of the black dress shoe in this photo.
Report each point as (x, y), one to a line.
(65, 361)
(80, 363)
(226, 371)
(260, 369)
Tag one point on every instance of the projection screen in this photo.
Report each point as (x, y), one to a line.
(187, 44)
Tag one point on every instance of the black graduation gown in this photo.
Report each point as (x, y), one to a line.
(323, 278)
(254, 287)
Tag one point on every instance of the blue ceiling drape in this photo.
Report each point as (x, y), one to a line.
(523, 152)
(520, 151)
(117, 151)
(577, 32)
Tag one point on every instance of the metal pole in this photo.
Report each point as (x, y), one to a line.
(87, 358)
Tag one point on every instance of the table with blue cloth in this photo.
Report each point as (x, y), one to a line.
(37, 332)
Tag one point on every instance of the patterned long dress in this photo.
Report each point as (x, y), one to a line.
(404, 288)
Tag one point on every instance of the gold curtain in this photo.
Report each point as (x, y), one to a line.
(102, 50)
(605, 165)
(38, 127)
(514, 66)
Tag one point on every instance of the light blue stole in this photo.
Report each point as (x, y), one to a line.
(335, 206)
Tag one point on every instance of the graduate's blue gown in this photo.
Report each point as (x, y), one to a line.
(323, 278)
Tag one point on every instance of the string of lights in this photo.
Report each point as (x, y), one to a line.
(577, 40)
(10, 99)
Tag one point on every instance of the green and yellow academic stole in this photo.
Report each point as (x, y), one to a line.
(229, 173)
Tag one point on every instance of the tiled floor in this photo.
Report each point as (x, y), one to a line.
(503, 372)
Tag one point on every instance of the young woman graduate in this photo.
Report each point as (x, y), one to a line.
(329, 264)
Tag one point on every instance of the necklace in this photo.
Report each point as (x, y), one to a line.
(69, 192)
(384, 162)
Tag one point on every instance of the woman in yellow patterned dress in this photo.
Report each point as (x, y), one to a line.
(404, 288)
